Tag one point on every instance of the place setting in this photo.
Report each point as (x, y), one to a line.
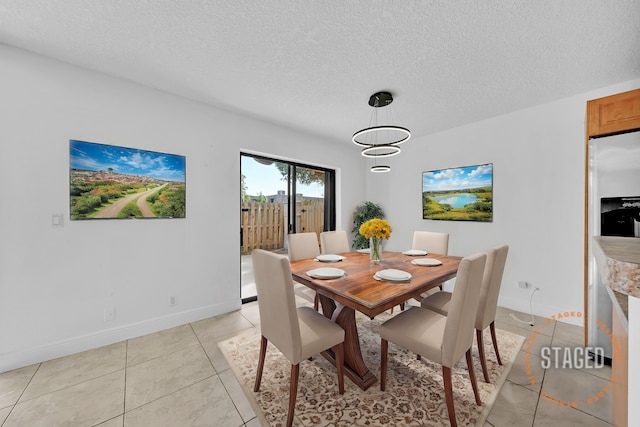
(393, 275)
(326, 273)
(426, 262)
(329, 258)
(414, 252)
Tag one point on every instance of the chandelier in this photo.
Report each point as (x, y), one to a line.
(380, 140)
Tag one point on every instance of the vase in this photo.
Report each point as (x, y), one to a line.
(375, 249)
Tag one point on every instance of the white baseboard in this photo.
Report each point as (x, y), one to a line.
(29, 356)
(544, 310)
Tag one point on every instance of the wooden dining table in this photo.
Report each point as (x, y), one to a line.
(358, 290)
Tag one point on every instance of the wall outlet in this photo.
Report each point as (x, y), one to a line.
(524, 284)
(109, 314)
(172, 301)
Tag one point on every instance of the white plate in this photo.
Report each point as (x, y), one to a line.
(329, 258)
(325, 273)
(393, 275)
(364, 251)
(415, 252)
(427, 262)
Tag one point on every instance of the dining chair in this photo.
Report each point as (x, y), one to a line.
(298, 333)
(491, 281)
(334, 242)
(442, 339)
(431, 242)
(302, 246)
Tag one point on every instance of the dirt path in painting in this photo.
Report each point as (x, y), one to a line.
(113, 210)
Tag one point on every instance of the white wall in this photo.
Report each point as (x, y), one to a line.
(55, 283)
(538, 158)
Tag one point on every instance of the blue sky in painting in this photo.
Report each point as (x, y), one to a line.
(129, 161)
(458, 178)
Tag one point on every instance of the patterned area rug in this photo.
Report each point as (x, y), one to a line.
(414, 394)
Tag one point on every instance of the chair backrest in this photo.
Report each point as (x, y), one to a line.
(334, 242)
(458, 331)
(303, 245)
(491, 282)
(431, 241)
(276, 302)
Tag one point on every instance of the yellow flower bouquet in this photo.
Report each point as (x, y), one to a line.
(375, 230)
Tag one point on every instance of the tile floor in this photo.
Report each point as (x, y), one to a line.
(178, 377)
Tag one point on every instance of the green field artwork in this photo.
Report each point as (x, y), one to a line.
(111, 182)
(458, 194)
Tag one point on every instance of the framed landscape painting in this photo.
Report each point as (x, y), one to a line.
(108, 182)
(458, 194)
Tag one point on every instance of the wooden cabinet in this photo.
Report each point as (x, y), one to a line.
(613, 114)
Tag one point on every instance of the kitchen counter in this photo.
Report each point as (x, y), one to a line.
(618, 260)
(620, 305)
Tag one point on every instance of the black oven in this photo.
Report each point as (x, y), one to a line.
(620, 216)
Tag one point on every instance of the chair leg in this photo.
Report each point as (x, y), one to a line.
(472, 376)
(448, 394)
(492, 326)
(483, 361)
(384, 347)
(263, 352)
(293, 392)
(339, 353)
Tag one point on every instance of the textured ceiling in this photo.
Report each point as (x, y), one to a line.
(313, 64)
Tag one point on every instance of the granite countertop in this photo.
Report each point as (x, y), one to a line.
(618, 260)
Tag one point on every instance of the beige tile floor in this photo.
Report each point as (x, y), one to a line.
(178, 377)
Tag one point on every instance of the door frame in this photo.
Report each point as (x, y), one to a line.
(329, 222)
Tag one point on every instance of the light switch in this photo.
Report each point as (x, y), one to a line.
(56, 220)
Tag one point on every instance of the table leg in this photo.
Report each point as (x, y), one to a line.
(354, 366)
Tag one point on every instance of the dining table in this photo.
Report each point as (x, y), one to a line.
(361, 289)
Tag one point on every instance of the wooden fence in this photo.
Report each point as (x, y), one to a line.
(309, 216)
(264, 224)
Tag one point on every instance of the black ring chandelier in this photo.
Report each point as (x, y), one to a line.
(380, 140)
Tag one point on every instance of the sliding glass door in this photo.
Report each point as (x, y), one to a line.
(279, 198)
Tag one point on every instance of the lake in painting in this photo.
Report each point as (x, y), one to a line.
(457, 201)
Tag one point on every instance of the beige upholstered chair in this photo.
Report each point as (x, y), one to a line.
(334, 242)
(443, 339)
(431, 241)
(492, 279)
(298, 333)
(302, 246)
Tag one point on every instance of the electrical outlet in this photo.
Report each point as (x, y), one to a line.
(524, 284)
(172, 301)
(109, 314)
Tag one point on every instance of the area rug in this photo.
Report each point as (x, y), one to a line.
(414, 394)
